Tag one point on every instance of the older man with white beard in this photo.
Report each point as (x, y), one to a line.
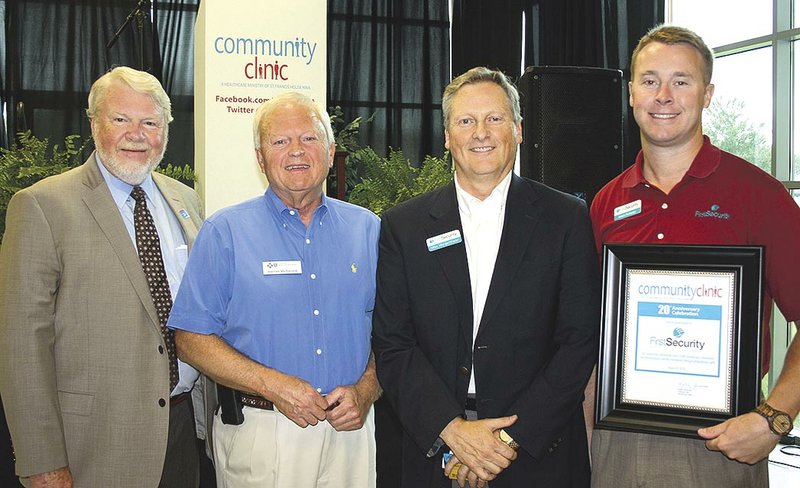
(89, 264)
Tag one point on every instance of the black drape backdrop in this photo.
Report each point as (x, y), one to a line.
(487, 34)
(391, 59)
(55, 50)
(174, 48)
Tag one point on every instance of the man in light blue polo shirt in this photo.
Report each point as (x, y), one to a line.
(276, 303)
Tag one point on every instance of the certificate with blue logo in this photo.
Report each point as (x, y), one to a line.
(678, 331)
(680, 344)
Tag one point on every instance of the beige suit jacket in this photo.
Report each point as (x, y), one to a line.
(82, 374)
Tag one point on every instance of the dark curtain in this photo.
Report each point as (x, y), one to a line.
(566, 33)
(487, 34)
(55, 50)
(174, 41)
(391, 58)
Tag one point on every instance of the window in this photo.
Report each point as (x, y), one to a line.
(757, 94)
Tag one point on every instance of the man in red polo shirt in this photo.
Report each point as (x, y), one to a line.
(684, 190)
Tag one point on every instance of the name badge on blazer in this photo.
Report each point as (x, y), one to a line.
(443, 240)
(281, 267)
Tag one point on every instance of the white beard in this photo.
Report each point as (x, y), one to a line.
(133, 173)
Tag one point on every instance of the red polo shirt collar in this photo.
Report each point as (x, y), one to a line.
(705, 163)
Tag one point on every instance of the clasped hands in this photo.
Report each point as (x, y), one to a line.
(477, 446)
(344, 408)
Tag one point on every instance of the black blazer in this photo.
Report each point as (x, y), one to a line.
(536, 344)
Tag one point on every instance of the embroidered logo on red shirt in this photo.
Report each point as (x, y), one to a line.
(712, 212)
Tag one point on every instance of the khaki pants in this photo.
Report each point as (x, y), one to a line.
(631, 460)
(269, 450)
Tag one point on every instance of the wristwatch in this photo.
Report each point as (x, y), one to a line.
(510, 442)
(779, 422)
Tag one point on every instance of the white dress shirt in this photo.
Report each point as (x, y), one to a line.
(482, 222)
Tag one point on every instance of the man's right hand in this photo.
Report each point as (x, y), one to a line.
(298, 400)
(475, 444)
(60, 478)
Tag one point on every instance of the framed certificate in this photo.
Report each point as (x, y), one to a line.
(681, 337)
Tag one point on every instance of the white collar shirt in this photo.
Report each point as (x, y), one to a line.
(482, 222)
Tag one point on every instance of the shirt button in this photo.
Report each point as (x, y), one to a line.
(664, 206)
(319, 390)
(313, 276)
(291, 212)
(161, 402)
(316, 312)
(308, 241)
(660, 235)
(319, 351)
(160, 349)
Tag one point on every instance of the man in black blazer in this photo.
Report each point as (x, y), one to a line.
(487, 311)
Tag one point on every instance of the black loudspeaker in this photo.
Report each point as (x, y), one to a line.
(572, 127)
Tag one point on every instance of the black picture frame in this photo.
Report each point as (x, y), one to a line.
(623, 350)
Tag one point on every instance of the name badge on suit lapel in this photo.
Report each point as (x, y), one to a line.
(443, 240)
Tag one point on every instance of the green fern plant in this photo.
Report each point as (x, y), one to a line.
(346, 133)
(389, 181)
(31, 159)
(184, 174)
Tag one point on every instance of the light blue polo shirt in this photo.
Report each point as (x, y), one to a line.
(295, 299)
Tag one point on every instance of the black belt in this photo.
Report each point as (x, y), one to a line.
(179, 398)
(471, 403)
(256, 401)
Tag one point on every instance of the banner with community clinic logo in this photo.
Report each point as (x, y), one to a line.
(247, 51)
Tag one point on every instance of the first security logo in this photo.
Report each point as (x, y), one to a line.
(677, 332)
(713, 212)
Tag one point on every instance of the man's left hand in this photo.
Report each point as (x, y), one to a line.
(745, 438)
(348, 410)
(465, 477)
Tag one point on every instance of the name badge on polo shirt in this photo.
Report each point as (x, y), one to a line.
(281, 267)
(628, 210)
(443, 240)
